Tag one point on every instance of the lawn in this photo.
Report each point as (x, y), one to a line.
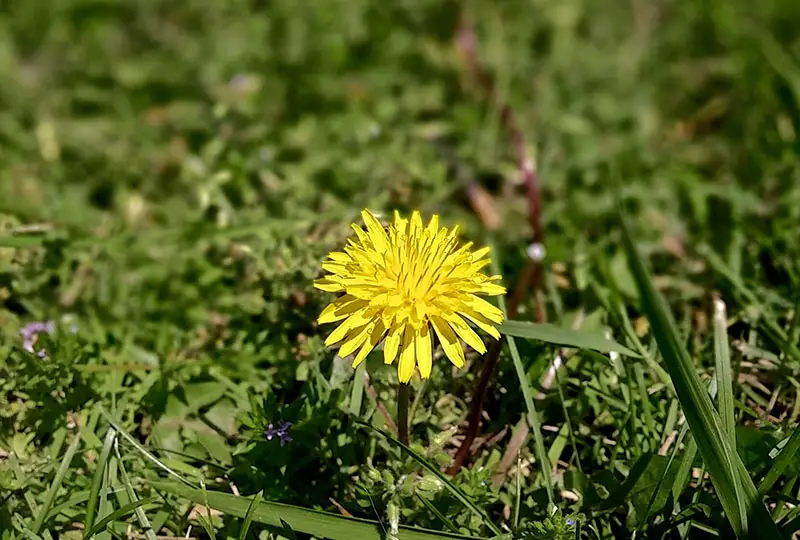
(173, 175)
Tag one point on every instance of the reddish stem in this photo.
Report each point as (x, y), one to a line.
(532, 273)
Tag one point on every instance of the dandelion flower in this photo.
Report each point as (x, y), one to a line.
(404, 283)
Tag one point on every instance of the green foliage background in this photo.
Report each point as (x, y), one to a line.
(172, 173)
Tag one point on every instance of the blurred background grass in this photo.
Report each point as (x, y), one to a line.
(180, 168)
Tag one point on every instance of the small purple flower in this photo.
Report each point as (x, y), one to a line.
(282, 432)
(31, 330)
(570, 522)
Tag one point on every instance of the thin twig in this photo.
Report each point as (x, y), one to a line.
(531, 276)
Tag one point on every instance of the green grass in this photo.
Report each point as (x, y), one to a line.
(172, 174)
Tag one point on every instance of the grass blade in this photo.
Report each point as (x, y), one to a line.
(313, 522)
(790, 453)
(533, 419)
(205, 519)
(564, 337)
(532, 415)
(136, 444)
(766, 319)
(435, 511)
(248, 517)
(734, 487)
(724, 372)
(452, 488)
(117, 515)
(144, 523)
(21, 241)
(78, 498)
(682, 477)
(97, 481)
(53, 489)
(357, 393)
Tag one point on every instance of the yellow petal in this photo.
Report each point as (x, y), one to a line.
(405, 369)
(481, 322)
(480, 254)
(375, 336)
(465, 332)
(334, 267)
(375, 230)
(416, 222)
(360, 234)
(392, 343)
(479, 305)
(399, 224)
(362, 353)
(328, 285)
(491, 289)
(341, 308)
(422, 344)
(449, 340)
(339, 257)
(339, 333)
(353, 342)
(433, 225)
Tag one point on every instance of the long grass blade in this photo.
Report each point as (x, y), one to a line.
(138, 446)
(313, 522)
(248, 517)
(144, 523)
(533, 419)
(734, 487)
(117, 515)
(78, 498)
(97, 481)
(767, 320)
(357, 392)
(563, 337)
(722, 357)
(532, 415)
(50, 496)
(789, 454)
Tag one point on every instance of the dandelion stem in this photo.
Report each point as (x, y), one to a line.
(403, 394)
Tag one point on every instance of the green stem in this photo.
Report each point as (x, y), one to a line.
(403, 393)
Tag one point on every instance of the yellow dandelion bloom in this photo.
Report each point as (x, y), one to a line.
(402, 284)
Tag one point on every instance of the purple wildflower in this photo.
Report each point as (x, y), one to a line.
(570, 522)
(31, 330)
(282, 432)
